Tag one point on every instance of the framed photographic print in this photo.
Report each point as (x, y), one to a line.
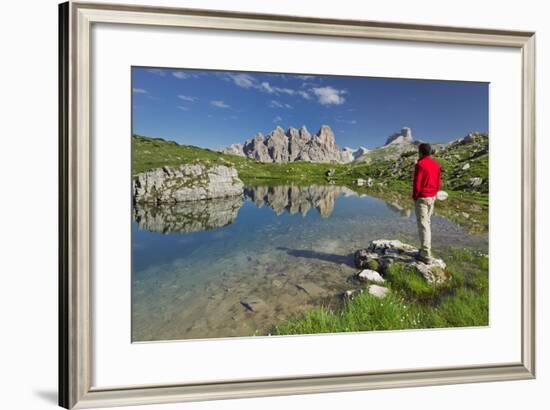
(255, 205)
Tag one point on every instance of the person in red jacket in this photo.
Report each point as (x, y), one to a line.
(426, 183)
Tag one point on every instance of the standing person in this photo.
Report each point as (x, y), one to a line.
(426, 183)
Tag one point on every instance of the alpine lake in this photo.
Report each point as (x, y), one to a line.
(286, 248)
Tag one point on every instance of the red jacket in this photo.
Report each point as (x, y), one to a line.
(427, 178)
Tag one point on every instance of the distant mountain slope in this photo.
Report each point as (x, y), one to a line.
(464, 163)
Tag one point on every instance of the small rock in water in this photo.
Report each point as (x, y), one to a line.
(254, 304)
(370, 275)
(378, 291)
(311, 288)
(277, 283)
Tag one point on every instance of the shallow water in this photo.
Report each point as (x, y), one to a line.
(291, 247)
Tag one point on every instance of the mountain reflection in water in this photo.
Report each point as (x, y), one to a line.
(196, 216)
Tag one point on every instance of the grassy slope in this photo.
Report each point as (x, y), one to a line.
(411, 303)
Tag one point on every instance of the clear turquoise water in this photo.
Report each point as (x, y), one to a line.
(194, 263)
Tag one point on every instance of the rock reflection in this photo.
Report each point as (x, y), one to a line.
(297, 199)
(190, 216)
(195, 216)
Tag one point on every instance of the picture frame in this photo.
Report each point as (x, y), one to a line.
(76, 215)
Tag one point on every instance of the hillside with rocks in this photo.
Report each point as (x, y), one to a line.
(464, 163)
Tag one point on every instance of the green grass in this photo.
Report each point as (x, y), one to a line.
(411, 303)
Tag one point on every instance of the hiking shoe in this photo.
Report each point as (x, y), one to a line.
(424, 259)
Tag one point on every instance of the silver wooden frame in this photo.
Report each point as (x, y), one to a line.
(75, 353)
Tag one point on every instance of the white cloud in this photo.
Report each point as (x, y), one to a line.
(267, 88)
(277, 119)
(187, 98)
(304, 94)
(277, 104)
(352, 122)
(244, 80)
(180, 75)
(329, 96)
(181, 107)
(219, 104)
(140, 91)
(156, 71)
(270, 89)
(305, 77)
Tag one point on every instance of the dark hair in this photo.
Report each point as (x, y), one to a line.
(425, 149)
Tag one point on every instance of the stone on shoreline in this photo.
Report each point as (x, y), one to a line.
(386, 252)
(378, 291)
(368, 275)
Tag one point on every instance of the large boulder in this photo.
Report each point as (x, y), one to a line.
(170, 185)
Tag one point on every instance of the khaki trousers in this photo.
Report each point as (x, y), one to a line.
(424, 208)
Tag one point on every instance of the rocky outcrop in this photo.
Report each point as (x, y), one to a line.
(350, 154)
(234, 149)
(189, 216)
(386, 252)
(402, 137)
(293, 145)
(170, 185)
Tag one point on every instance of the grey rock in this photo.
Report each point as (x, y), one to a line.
(442, 195)
(378, 291)
(466, 166)
(474, 182)
(234, 149)
(170, 185)
(402, 137)
(368, 275)
(277, 145)
(256, 148)
(386, 252)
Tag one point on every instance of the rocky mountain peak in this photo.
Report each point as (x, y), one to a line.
(402, 137)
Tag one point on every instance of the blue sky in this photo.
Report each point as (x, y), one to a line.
(213, 109)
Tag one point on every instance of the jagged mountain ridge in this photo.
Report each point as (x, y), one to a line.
(299, 145)
(291, 145)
